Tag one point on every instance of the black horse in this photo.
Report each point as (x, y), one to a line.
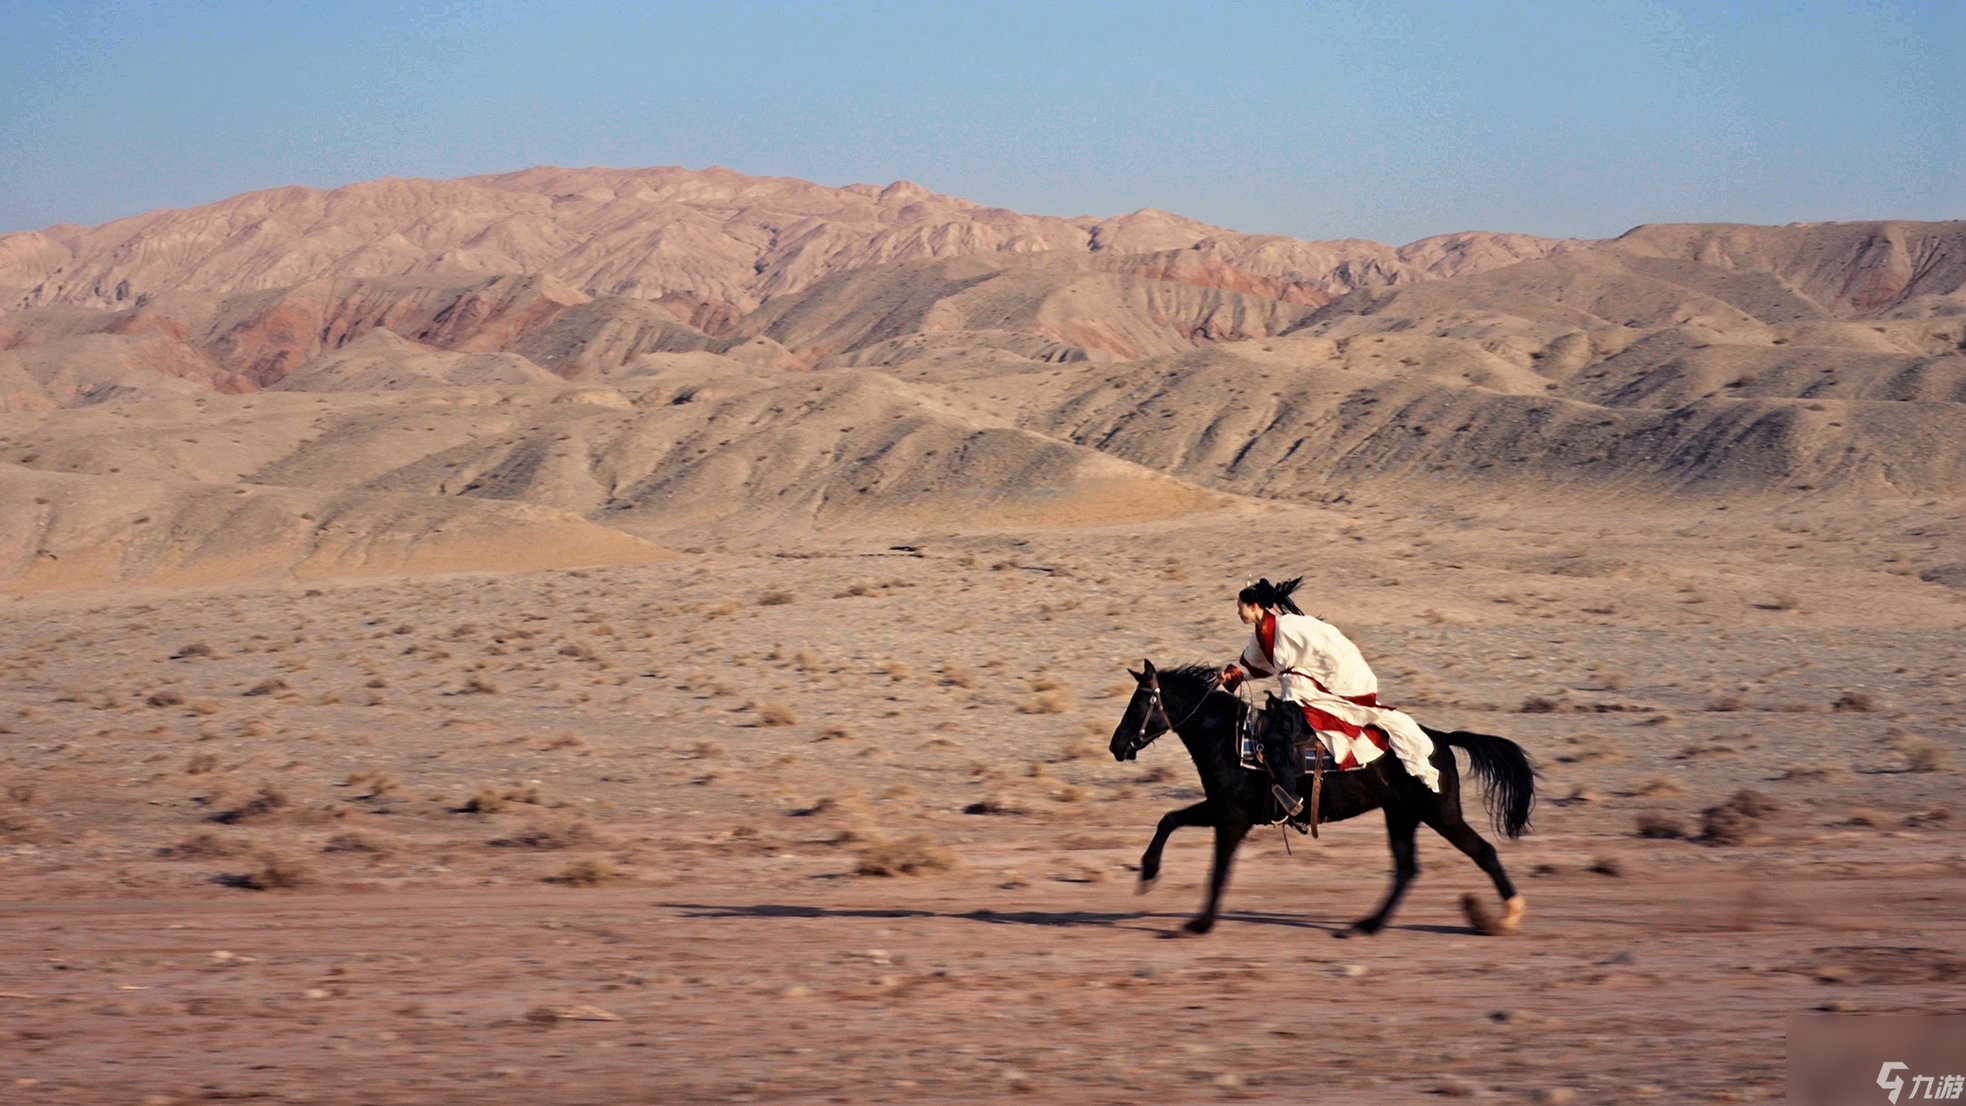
(1187, 701)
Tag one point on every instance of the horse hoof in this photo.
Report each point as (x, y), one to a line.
(1488, 925)
(1143, 886)
(1198, 926)
(1359, 929)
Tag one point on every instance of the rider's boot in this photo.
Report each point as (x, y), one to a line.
(1293, 807)
(1281, 757)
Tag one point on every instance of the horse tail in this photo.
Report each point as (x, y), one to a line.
(1505, 768)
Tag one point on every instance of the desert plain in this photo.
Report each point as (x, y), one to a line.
(647, 636)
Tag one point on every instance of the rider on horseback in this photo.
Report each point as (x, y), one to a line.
(1326, 677)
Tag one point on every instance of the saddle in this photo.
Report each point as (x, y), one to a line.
(1313, 757)
(1256, 726)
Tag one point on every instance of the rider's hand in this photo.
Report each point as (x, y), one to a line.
(1231, 676)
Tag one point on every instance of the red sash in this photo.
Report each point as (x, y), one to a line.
(1331, 723)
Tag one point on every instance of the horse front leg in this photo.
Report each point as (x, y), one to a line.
(1200, 814)
(1227, 839)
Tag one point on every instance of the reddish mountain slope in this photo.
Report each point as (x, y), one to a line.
(719, 241)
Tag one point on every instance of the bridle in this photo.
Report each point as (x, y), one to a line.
(1156, 704)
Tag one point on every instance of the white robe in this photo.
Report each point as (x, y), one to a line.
(1324, 673)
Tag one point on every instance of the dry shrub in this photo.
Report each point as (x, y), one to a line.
(1070, 793)
(205, 708)
(807, 661)
(1078, 750)
(19, 826)
(833, 804)
(1657, 785)
(896, 791)
(194, 649)
(1728, 703)
(590, 872)
(276, 873)
(1928, 818)
(774, 599)
(486, 800)
(1814, 773)
(1051, 702)
(994, 804)
(1655, 824)
(1922, 754)
(164, 698)
(834, 733)
(1537, 704)
(202, 845)
(1865, 816)
(1606, 866)
(706, 750)
(1590, 747)
(541, 836)
(354, 841)
(1854, 702)
(566, 741)
(915, 854)
(463, 630)
(776, 714)
(1738, 820)
(953, 676)
(1045, 684)
(267, 686)
(371, 784)
(265, 802)
(478, 685)
(201, 764)
(22, 793)
(895, 671)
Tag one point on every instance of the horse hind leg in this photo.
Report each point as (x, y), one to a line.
(1463, 837)
(1400, 826)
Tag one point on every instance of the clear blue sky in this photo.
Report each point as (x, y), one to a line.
(1379, 120)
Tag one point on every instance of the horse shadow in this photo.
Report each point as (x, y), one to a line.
(1140, 920)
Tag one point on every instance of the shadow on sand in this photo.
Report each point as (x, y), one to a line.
(1141, 920)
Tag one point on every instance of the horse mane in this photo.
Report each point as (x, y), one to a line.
(1201, 678)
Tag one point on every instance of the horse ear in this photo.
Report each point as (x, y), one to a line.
(1138, 677)
(1149, 666)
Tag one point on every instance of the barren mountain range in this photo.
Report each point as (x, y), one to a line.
(310, 382)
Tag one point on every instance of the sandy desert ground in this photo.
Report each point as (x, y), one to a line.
(639, 636)
(597, 835)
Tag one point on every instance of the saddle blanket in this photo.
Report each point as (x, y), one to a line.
(1250, 752)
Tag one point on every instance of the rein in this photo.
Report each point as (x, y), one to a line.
(1156, 705)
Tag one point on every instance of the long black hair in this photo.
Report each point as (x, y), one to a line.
(1271, 596)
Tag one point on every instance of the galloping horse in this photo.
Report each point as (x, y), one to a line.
(1188, 701)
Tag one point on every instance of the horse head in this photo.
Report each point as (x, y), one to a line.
(1144, 712)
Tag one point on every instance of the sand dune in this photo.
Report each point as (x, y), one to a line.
(62, 532)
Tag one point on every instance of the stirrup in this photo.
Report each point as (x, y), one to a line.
(1291, 804)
